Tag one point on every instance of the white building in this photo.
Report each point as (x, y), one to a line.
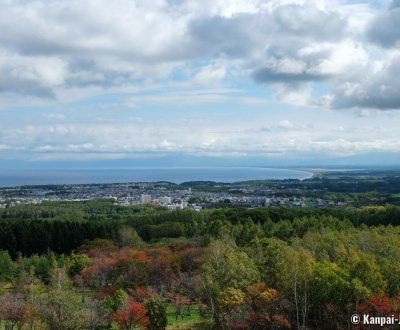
(165, 200)
(145, 199)
(175, 206)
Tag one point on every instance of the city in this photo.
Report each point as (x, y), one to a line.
(171, 196)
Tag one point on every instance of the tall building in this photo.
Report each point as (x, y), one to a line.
(145, 199)
(165, 200)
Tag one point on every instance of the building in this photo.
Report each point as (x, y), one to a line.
(145, 199)
(165, 200)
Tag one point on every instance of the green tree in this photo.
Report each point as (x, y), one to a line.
(331, 293)
(228, 266)
(363, 266)
(267, 253)
(127, 236)
(60, 307)
(116, 301)
(225, 266)
(157, 314)
(76, 263)
(294, 275)
(7, 268)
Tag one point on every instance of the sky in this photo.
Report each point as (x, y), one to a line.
(277, 81)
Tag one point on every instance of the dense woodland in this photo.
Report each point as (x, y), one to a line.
(96, 265)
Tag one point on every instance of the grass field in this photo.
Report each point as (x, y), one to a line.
(184, 321)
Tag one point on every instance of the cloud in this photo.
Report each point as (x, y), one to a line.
(46, 50)
(268, 75)
(384, 29)
(210, 74)
(285, 124)
(218, 36)
(72, 43)
(5, 147)
(206, 136)
(108, 43)
(30, 75)
(310, 22)
(378, 90)
(73, 72)
(55, 116)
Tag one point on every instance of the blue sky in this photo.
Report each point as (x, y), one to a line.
(102, 80)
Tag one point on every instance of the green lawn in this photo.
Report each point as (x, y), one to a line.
(185, 322)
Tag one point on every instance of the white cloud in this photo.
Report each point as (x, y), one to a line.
(46, 49)
(286, 124)
(210, 74)
(56, 116)
(178, 135)
(80, 69)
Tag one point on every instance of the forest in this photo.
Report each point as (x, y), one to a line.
(97, 265)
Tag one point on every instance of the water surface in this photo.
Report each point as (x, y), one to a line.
(10, 178)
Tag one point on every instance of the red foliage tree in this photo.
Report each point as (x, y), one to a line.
(99, 273)
(13, 310)
(131, 315)
(141, 293)
(130, 254)
(378, 305)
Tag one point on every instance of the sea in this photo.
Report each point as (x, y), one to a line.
(19, 177)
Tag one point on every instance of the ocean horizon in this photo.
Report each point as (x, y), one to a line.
(21, 177)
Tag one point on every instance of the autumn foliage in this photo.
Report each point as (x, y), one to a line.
(131, 314)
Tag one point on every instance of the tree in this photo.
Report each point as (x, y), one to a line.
(295, 273)
(31, 288)
(363, 266)
(131, 315)
(116, 301)
(12, 310)
(268, 308)
(127, 236)
(248, 231)
(230, 308)
(77, 262)
(60, 307)
(7, 268)
(100, 272)
(268, 253)
(228, 266)
(225, 266)
(156, 313)
(378, 305)
(331, 292)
